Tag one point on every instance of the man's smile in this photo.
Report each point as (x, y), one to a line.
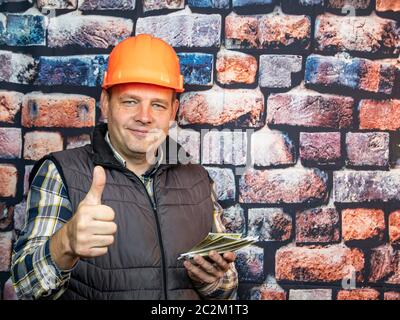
(139, 132)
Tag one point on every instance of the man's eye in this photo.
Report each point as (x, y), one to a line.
(130, 102)
(159, 105)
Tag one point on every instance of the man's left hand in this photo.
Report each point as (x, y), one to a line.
(203, 271)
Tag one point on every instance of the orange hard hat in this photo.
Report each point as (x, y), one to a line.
(144, 59)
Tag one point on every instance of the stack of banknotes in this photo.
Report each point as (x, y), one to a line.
(220, 242)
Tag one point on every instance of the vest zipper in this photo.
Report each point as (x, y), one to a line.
(160, 242)
(154, 207)
(164, 270)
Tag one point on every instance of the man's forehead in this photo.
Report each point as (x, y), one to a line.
(142, 90)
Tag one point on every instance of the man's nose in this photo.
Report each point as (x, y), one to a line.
(145, 113)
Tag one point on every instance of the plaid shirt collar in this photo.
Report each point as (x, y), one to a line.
(118, 156)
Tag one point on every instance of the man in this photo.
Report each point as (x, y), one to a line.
(108, 220)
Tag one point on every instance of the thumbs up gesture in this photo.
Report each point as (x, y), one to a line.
(91, 230)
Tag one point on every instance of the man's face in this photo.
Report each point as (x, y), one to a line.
(139, 116)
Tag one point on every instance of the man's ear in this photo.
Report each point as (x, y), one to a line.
(104, 104)
(175, 107)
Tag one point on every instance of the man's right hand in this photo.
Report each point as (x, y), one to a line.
(91, 229)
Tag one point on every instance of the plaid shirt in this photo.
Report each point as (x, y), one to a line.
(33, 271)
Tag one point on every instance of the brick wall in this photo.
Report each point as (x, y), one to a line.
(303, 98)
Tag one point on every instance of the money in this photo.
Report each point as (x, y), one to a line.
(220, 242)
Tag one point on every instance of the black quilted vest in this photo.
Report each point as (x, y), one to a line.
(142, 262)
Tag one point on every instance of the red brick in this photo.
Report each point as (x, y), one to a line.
(19, 215)
(358, 294)
(276, 70)
(306, 108)
(362, 224)
(380, 114)
(87, 5)
(358, 33)
(189, 139)
(321, 148)
(394, 227)
(58, 110)
(10, 105)
(310, 294)
(234, 220)
(24, 29)
(250, 264)
(224, 180)
(387, 5)
(5, 250)
(57, 4)
(235, 67)
(241, 31)
(150, 5)
(28, 170)
(272, 31)
(71, 70)
(269, 294)
(316, 263)
(280, 30)
(10, 143)
(317, 225)
(385, 265)
(303, 5)
(362, 186)
(391, 295)
(40, 143)
(356, 4)
(291, 185)
(9, 291)
(87, 31)
(271, 148)
(183, 29)
(269, 290)
(269, 224)
(377, 76)
(224, 147)
(367, 148)
(343, 71)
(8, 180)
(393, 61)
(6, 216)
(219, 106)
(78, 141)
(17, 67)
